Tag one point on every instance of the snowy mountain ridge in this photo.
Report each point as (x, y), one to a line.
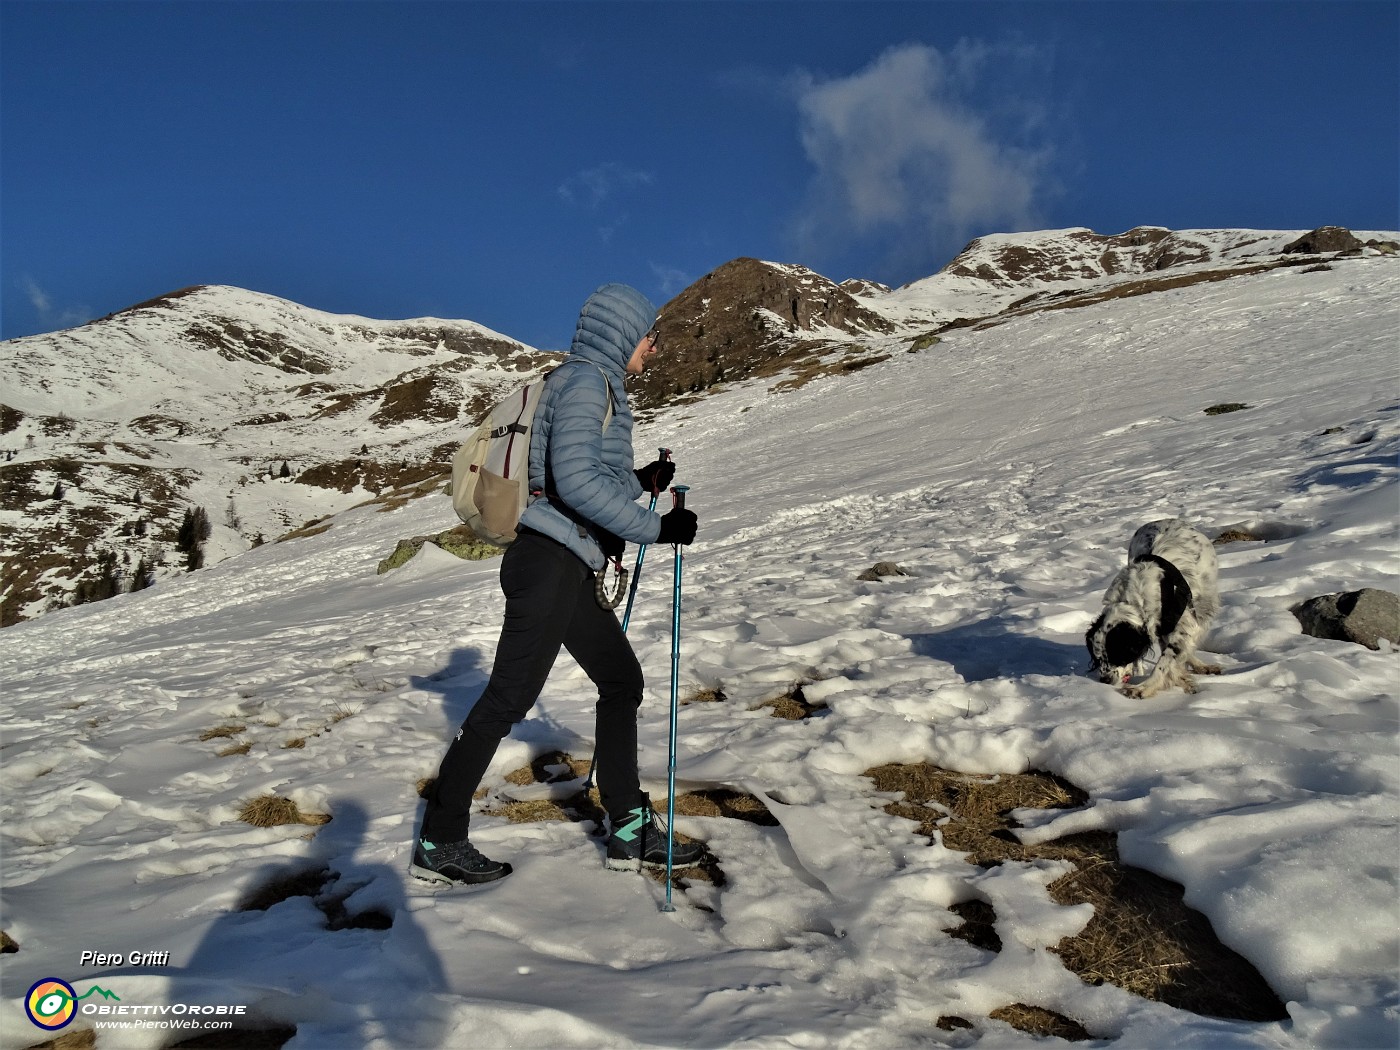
(113, 430)
(996, 271)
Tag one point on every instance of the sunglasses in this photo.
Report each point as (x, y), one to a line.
(655, 340)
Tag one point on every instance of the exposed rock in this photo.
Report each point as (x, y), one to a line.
(880, 570)
(734, 321)
(1366, 616)
(1324, 239)
(860, 286)
(1078, 255)
(460, 541)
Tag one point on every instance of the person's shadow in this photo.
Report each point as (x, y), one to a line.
(325, 947)
(460, 683)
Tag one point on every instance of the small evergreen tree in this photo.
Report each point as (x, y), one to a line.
(144, 575)
(195, 528)
(106, 584)
(57, 490)
(286, 471)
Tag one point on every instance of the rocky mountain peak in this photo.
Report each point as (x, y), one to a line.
(733, 321)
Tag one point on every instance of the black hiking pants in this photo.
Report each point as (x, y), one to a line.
(550, 603)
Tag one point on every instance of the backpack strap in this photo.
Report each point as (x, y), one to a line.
(583, 525)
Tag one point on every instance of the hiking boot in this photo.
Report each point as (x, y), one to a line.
(455, 863)
(639, 840)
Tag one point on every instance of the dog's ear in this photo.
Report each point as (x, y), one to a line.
(1125, 644)
(1094, 629)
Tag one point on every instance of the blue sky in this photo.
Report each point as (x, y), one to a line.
(497, 161)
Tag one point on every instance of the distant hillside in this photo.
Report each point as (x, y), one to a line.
(270, 416)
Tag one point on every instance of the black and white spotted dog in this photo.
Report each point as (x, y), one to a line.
(1165, 598)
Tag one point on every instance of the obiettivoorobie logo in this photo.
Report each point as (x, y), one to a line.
(52, 1004)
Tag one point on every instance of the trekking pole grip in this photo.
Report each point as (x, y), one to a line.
(678, 496)
(663, 455)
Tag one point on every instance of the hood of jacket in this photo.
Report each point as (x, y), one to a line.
(610, 325)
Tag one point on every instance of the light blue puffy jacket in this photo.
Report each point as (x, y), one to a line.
(573, 459)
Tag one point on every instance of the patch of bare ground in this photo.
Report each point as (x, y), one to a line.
(270, 811)
(7, 943)
(341, 401)
(431, 396)
(377, 476)
(845, 362)
(1142, 938)
(1127, 290)
(326, 892)
(405, 492)
(705, 696)
(314, 527)
(1237, 535)
(1039, 1021)
(584, 805)
(793, 705)
(223, 731)
(58, 545)
(233, 340)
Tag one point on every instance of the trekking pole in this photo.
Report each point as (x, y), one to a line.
(663, 454)
(679, 492)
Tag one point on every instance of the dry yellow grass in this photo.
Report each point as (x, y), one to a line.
(558, 767)
(1142, 937)
(1038, 1021)
(270, 811)
(223, 731)
(704, 696)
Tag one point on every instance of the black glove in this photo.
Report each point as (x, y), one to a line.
(655, 476)
(612, 546)
(678, 526)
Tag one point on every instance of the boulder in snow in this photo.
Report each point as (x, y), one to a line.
(1365, 616)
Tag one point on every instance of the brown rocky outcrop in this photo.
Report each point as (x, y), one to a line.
(1322, 240)
(732, 322)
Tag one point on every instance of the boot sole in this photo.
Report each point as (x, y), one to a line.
(429, 875)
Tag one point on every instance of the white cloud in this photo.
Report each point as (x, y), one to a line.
(672, 280)
(913, 153)
(590, 188)
(38, 298)
(50, 316)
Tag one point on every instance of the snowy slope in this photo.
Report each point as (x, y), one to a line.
(1004, 469)
(151, 357)
(196, 399)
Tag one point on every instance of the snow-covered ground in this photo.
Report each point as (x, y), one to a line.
(1004, 470)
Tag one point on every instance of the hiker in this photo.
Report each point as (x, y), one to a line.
(581, 465)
